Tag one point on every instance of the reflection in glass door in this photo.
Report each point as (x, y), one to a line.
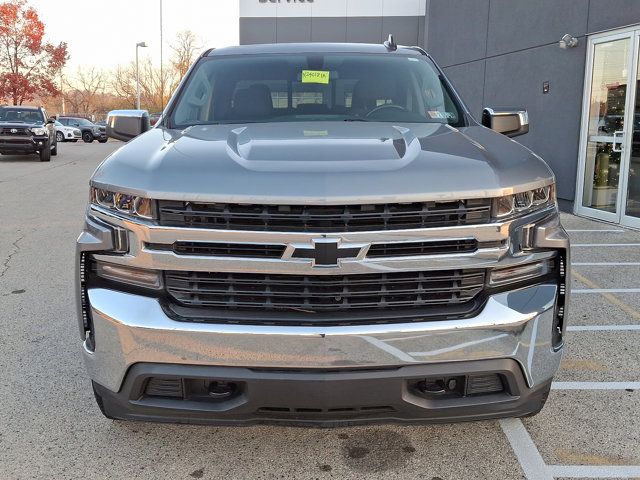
(605, 125)
(631, 214)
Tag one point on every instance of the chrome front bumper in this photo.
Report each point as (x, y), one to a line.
(131, 329)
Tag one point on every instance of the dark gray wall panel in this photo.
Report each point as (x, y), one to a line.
(607, 14)
(421, 31)
(257, 30)
(519, 24)
(364, 29)
(457, 30)
(516, 80)
(328, 29)
(291, 30)
(468, 80)
(405, 29)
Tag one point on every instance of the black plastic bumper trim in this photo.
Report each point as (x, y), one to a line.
(323, 398)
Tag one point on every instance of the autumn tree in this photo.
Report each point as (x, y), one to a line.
(185, 48)
(29, 66)
(83, 91)
(123, 85)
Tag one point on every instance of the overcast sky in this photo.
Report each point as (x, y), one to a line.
(104, 33)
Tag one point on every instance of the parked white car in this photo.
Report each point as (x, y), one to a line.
(67, 134)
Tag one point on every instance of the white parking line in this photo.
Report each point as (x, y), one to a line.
(605, 245)
(605, 264)
(595, 231)
(584, 471)
(595, 386)
(525, 450)
(602, 328)
(606, 290)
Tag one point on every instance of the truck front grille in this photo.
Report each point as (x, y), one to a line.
(334, 293)
(324, 218)
(18, 131)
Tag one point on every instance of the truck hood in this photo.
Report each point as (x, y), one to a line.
(322, 163)
(20, 124)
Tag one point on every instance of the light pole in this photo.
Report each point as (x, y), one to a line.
(138, 45)
(161, 63)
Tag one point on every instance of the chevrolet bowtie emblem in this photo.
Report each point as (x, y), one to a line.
(327, 252)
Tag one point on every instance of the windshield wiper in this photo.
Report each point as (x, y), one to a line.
(355, 120)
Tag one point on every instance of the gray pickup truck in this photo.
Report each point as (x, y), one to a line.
(321, 234)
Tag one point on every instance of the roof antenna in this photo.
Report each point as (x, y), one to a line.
(391, 44)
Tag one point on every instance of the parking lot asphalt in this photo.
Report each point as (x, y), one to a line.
(51, 428)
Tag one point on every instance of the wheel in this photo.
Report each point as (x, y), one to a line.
(100, 402)
(45, 154)
(103, 141)
(59, 137)
(87, 137)
(543, 400)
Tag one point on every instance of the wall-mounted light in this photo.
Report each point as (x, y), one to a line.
(568, 41)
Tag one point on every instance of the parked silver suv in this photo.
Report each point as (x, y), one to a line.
(321, 234)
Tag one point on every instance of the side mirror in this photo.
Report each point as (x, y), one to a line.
(508, 121)
(127, 124)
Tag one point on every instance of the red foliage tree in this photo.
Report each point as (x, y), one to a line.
(28, 65)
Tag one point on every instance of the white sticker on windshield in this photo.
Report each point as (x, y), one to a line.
(435, 114)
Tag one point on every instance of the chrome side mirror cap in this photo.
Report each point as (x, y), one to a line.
(508, 121)
(127, 124)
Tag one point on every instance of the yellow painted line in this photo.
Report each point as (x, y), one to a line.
(629, 310)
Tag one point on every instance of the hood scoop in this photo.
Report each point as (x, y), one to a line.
(276, 148)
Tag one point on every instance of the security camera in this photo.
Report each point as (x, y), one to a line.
(568, 41)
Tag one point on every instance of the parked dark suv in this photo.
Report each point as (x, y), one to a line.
(90, 131)
(26, 130)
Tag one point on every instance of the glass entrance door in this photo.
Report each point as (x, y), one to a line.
(609, 185)
(631, 200)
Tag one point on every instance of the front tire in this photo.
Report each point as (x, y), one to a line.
(59, 137)
(54, 150)
(45, 154)
(87, 137)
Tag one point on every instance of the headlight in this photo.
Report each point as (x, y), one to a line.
(124, 203)
(39, 131)
(524, 202)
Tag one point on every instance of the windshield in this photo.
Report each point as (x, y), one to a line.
(330, 87)
(20, 115)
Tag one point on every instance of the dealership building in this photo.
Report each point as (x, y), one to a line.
(569, 63)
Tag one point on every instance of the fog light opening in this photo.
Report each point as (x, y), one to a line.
(221, 390)
(442, 387)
